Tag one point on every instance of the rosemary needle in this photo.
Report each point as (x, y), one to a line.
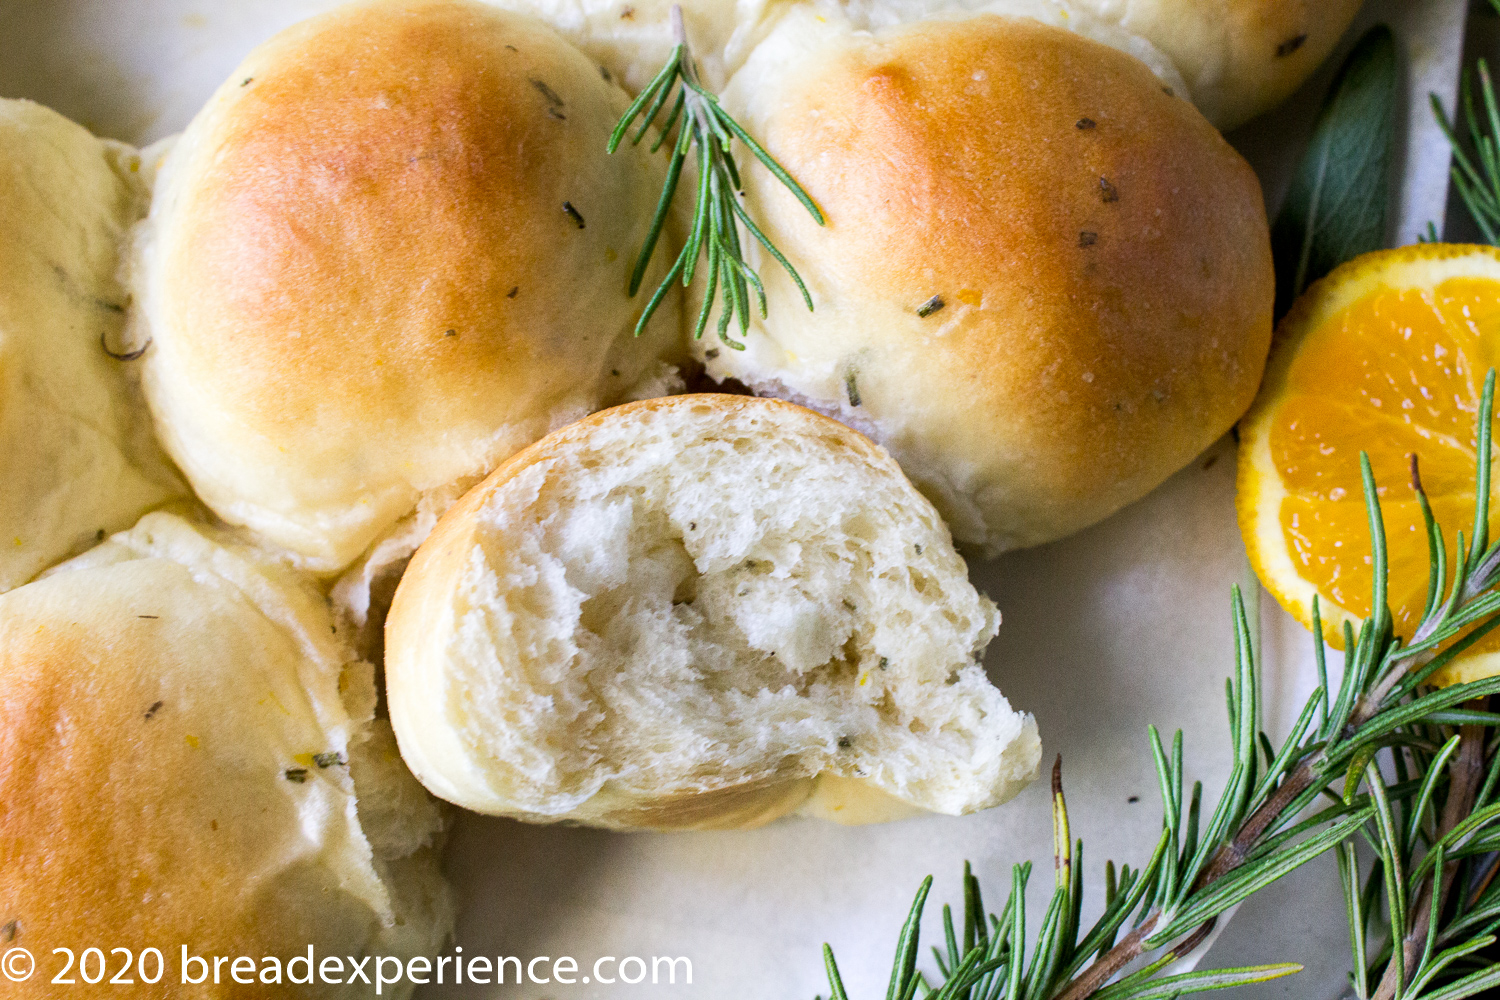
(1433, 892)
(714, 238)
(1476, 177)
(1424, 917)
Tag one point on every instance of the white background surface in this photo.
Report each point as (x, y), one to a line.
(1123, 625)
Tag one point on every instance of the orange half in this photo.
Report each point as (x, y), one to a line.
(1388, 354)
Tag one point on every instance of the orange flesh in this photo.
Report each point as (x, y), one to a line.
(1399, 372)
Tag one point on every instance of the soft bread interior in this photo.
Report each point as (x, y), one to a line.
(681, 613)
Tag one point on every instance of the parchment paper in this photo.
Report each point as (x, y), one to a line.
(1123, 625)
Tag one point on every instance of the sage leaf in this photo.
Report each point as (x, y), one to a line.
(1336, 207)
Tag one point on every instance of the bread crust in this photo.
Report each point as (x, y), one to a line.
(162, 702)
(391, 251)
(421, 622)
(107, 837)
(75, 445)
(1239, 57)
(1091, 257)
(457, 757)
(634, 38)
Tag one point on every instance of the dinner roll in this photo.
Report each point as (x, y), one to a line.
(75, 444)
(1239, 57)
(388, 253)
(178, 769)
(1232, 58)
(634, 38)
(704, 611)
(1045, 283)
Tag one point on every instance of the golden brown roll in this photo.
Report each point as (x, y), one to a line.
(1045, 283)
(703, 611)
(388, 253)
(1238, 57)
(187, 760)
(76, 455)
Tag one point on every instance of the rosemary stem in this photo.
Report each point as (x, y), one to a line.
(1193, 940)
(1369, 704)
(1103, 968)
(1466, 771)
(706, 129)
(679, 34)
(1225, 860)
(1233, 854)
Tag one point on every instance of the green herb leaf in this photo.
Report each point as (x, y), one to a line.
(1252, 878)
(705, 129)
(1477, 183)
(1199, 982)
(1336, 207)
(835, 982)
(1468, 986)
(1435, 830)
(906, 946)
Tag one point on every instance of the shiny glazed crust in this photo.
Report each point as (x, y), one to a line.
(390, 252)
(164, 703)
(1239, 57)
(1091, 256)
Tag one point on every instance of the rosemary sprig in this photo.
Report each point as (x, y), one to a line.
(1476, 178)
(706, 129)
(1435, 830)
